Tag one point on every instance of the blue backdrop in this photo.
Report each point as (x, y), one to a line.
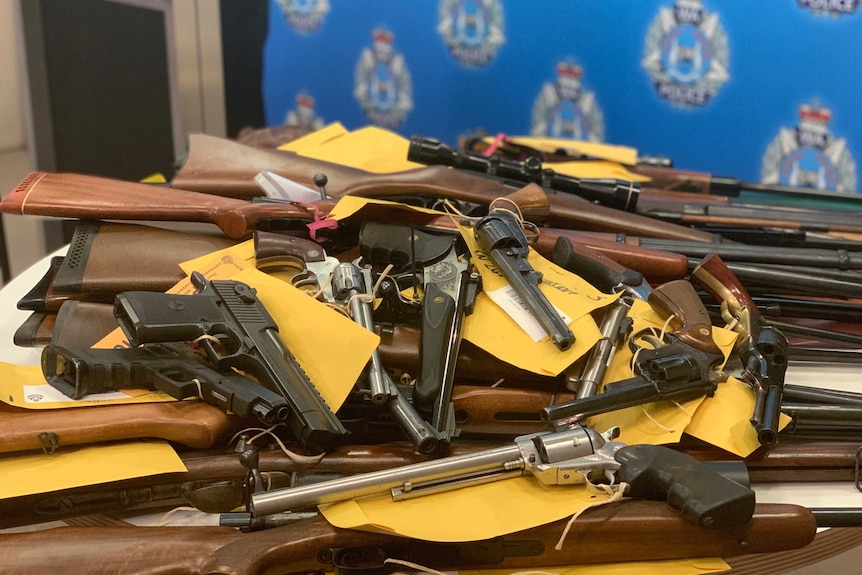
(756, 90)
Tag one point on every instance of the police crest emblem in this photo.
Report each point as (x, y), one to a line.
(382, 83)
(686, 54)
(472, 30)
(564, 109)
(809, 156)
(304, 15)
(304, 114)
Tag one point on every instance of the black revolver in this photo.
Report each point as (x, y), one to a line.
(235, 330)
(500, 236)
(679, 368)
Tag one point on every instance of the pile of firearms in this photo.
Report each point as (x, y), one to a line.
(428, 412)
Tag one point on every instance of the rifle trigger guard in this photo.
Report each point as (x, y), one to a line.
(49, 442)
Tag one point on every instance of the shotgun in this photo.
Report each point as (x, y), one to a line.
(78, 196)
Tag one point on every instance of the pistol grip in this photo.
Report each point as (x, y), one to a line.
(691, 322)
(594, 267)
(701, 495)
(438, 313)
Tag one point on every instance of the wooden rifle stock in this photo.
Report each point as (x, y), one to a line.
(91, 197)
(634, 530)
(191, 423)
(105, 259)
(218, 165)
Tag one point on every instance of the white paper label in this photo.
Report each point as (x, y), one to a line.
(510, 302)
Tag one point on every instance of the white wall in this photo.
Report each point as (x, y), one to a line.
(11, 111)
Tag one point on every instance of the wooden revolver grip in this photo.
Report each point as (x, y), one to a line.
(713, 276)
(690, 322)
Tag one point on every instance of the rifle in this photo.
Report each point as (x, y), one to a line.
(635, 530)
(220, 166)
(675, 206)
(661, 172)
(91, 197)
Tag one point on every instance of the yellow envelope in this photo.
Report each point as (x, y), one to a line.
(315, 138)
(88, 465)
(492, 329)
(596, 169)
(670, 567)
(611, 152)
(482, 511)
(664, 421)
(372, 149)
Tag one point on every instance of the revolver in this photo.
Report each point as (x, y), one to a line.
(450, 287)
(500, 236)
(761, 347)
(235, 330)
(680, 367)
(574, 456)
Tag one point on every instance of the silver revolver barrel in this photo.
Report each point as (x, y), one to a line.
(564, 457)
(349, 281)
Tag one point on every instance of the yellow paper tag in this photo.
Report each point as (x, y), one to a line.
(90, 465)
(490, 328)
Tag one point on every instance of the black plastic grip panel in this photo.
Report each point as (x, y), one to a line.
(438, 314)
(83, 372)
(402, 246)
(701, 494)
(153, 317)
